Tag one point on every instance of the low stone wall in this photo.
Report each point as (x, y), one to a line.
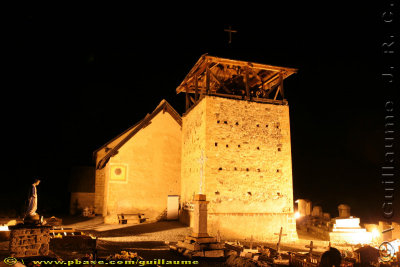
(244, 226)
(28, 241)
(320, 232)
(259, 226)
(81, 200)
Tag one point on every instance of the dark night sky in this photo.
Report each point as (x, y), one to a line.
(76, 79)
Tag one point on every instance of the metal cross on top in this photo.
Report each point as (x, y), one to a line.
(230, 31)
(202, 160)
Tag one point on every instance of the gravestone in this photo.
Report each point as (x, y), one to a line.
(344, 211)
(317, 211)
(301, 206)
(308, 207)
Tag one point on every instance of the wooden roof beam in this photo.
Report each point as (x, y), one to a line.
(251, 64)
(207, 62)
(220, 83)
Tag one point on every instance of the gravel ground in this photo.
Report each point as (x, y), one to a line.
(148, 239)
(160, 231)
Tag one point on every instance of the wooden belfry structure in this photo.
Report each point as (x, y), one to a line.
(234, 79)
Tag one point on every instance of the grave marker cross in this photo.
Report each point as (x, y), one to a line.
(278, 245)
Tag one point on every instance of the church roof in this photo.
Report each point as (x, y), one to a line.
(164, 106)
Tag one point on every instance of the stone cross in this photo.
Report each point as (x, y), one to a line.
(311, 246)
(230, 31)
(278, 245)
(329, 245)
(202, 160)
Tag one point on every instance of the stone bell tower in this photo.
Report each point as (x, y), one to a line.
(236, 148)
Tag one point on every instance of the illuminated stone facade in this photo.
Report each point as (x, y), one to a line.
(137, 170)
(232, 144)
(247, 173)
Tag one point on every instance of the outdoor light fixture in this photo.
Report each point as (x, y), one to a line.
(375, 233)
(4, 228)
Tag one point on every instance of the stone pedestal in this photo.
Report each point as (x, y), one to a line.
(199, 243)
(348, 231)
(28, 241)
(200, 216)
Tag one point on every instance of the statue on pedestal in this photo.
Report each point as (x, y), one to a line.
(30, 214)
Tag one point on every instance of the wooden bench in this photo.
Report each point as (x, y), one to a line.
(133, 218)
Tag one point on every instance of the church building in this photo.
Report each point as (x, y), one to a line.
(139, 169)
(232, 144)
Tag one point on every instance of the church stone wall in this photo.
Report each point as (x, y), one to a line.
(152, 158)
(248, 168)
(193, 142)
(100, 175)
(100, 180)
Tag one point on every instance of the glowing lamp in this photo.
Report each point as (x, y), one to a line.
(4, 233)
(375, 233)
(297, 215)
